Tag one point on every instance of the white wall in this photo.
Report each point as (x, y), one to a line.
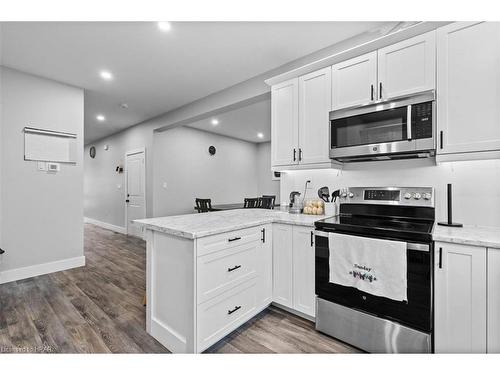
(476, 192)
(42, 214)
(265, 183)
(181, 159)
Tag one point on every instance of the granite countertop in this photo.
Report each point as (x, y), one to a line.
(468, 235)
(206, 224)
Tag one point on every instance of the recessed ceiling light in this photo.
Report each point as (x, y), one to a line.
(100, 118)
(260, 135)
(164, 26)
(106, 75)
(215, 122)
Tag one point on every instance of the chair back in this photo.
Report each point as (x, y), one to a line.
(251, 203)
(203, 205)
(268, 201)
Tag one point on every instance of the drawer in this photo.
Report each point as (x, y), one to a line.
(220, 271)
(222, 314)
(217, 242)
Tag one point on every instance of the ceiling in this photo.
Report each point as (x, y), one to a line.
(155, 71)
(242, 123)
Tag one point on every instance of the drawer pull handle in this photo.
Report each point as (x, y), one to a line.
(234, 239)
(234, 268)
(236, 308)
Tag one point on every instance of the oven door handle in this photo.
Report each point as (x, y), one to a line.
(408, 122)
(409, 245)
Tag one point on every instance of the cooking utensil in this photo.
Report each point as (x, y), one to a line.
(324, 193)
(335, 195)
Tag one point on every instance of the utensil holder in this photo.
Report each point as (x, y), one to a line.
(330, 208)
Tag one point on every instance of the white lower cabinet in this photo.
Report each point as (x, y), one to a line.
(493, 322)
(460, 298)
(293, 265)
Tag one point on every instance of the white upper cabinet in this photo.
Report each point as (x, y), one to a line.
(354, 81)
(315, 103)
(407, 67)
(304, 296)
(460, 298)
(468, 88)
(284, 123)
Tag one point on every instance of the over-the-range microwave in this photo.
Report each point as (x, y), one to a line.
(400, 128)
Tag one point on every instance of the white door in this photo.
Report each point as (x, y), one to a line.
(460, 299)
(135, 190)
(315, 103)
(493, 324)
(265, 268)
(303, 270)
(285, 123)
(282, 264)
(407, 67)
(468, 87)
(354, 81)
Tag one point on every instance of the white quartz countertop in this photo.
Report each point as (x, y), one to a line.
(206, 224)
(468, 235)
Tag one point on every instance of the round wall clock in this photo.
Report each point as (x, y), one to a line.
(212, 150)
(92, 152)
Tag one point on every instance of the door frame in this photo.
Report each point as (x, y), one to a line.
(128, 153)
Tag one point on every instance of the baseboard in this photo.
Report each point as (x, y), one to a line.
(40, 269)
(102, 224)
(294, 312)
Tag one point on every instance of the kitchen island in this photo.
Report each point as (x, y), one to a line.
(209, 273)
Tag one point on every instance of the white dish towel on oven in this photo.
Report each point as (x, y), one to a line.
(372, 265)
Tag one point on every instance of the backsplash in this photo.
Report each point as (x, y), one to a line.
(476, 184)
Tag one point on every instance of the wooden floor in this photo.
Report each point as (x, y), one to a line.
(98, 309)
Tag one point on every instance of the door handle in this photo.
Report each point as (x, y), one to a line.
(380, 90)
(312, 238)
(300, 154)
(263, 238)
(441, 139)
(408, 122)
(236, 308)
(233, 239)
(440, 257)
(372, 92)
(294, 154)
(231, 269)
(127, 201)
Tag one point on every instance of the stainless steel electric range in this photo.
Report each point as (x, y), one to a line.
(374, 323)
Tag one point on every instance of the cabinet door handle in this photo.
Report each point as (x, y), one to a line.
(263, 238)
(312, 238)
(231, 269)
(380, 90)
(127, 201)
(300, 154)
(372, 92)
(441, 139)
(294, 154)
(440, 257)
(234, 239)
(236, 308)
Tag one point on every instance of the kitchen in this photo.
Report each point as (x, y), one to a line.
(338, 196)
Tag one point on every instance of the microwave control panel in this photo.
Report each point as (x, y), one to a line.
(422, 120)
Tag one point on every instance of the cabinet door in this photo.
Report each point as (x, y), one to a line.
(468, 87)
(285, 123)
(354, 81)
(303, 270)
(264, 267)
(407, 67)
(493, 323)
(315, 103)
(282, 264)
(460, 299)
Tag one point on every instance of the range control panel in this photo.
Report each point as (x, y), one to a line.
(404, 196)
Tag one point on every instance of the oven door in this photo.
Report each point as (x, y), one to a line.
(415, 313)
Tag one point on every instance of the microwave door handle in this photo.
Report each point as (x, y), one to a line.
(408, 122)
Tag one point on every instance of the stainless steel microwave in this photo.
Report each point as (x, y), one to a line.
(400, 128)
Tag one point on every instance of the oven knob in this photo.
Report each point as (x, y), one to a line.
(351, 195)
(427, 196)
(407, 196)
(417, 196)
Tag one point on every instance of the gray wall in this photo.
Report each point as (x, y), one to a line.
(42, 214)
(181, 160)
